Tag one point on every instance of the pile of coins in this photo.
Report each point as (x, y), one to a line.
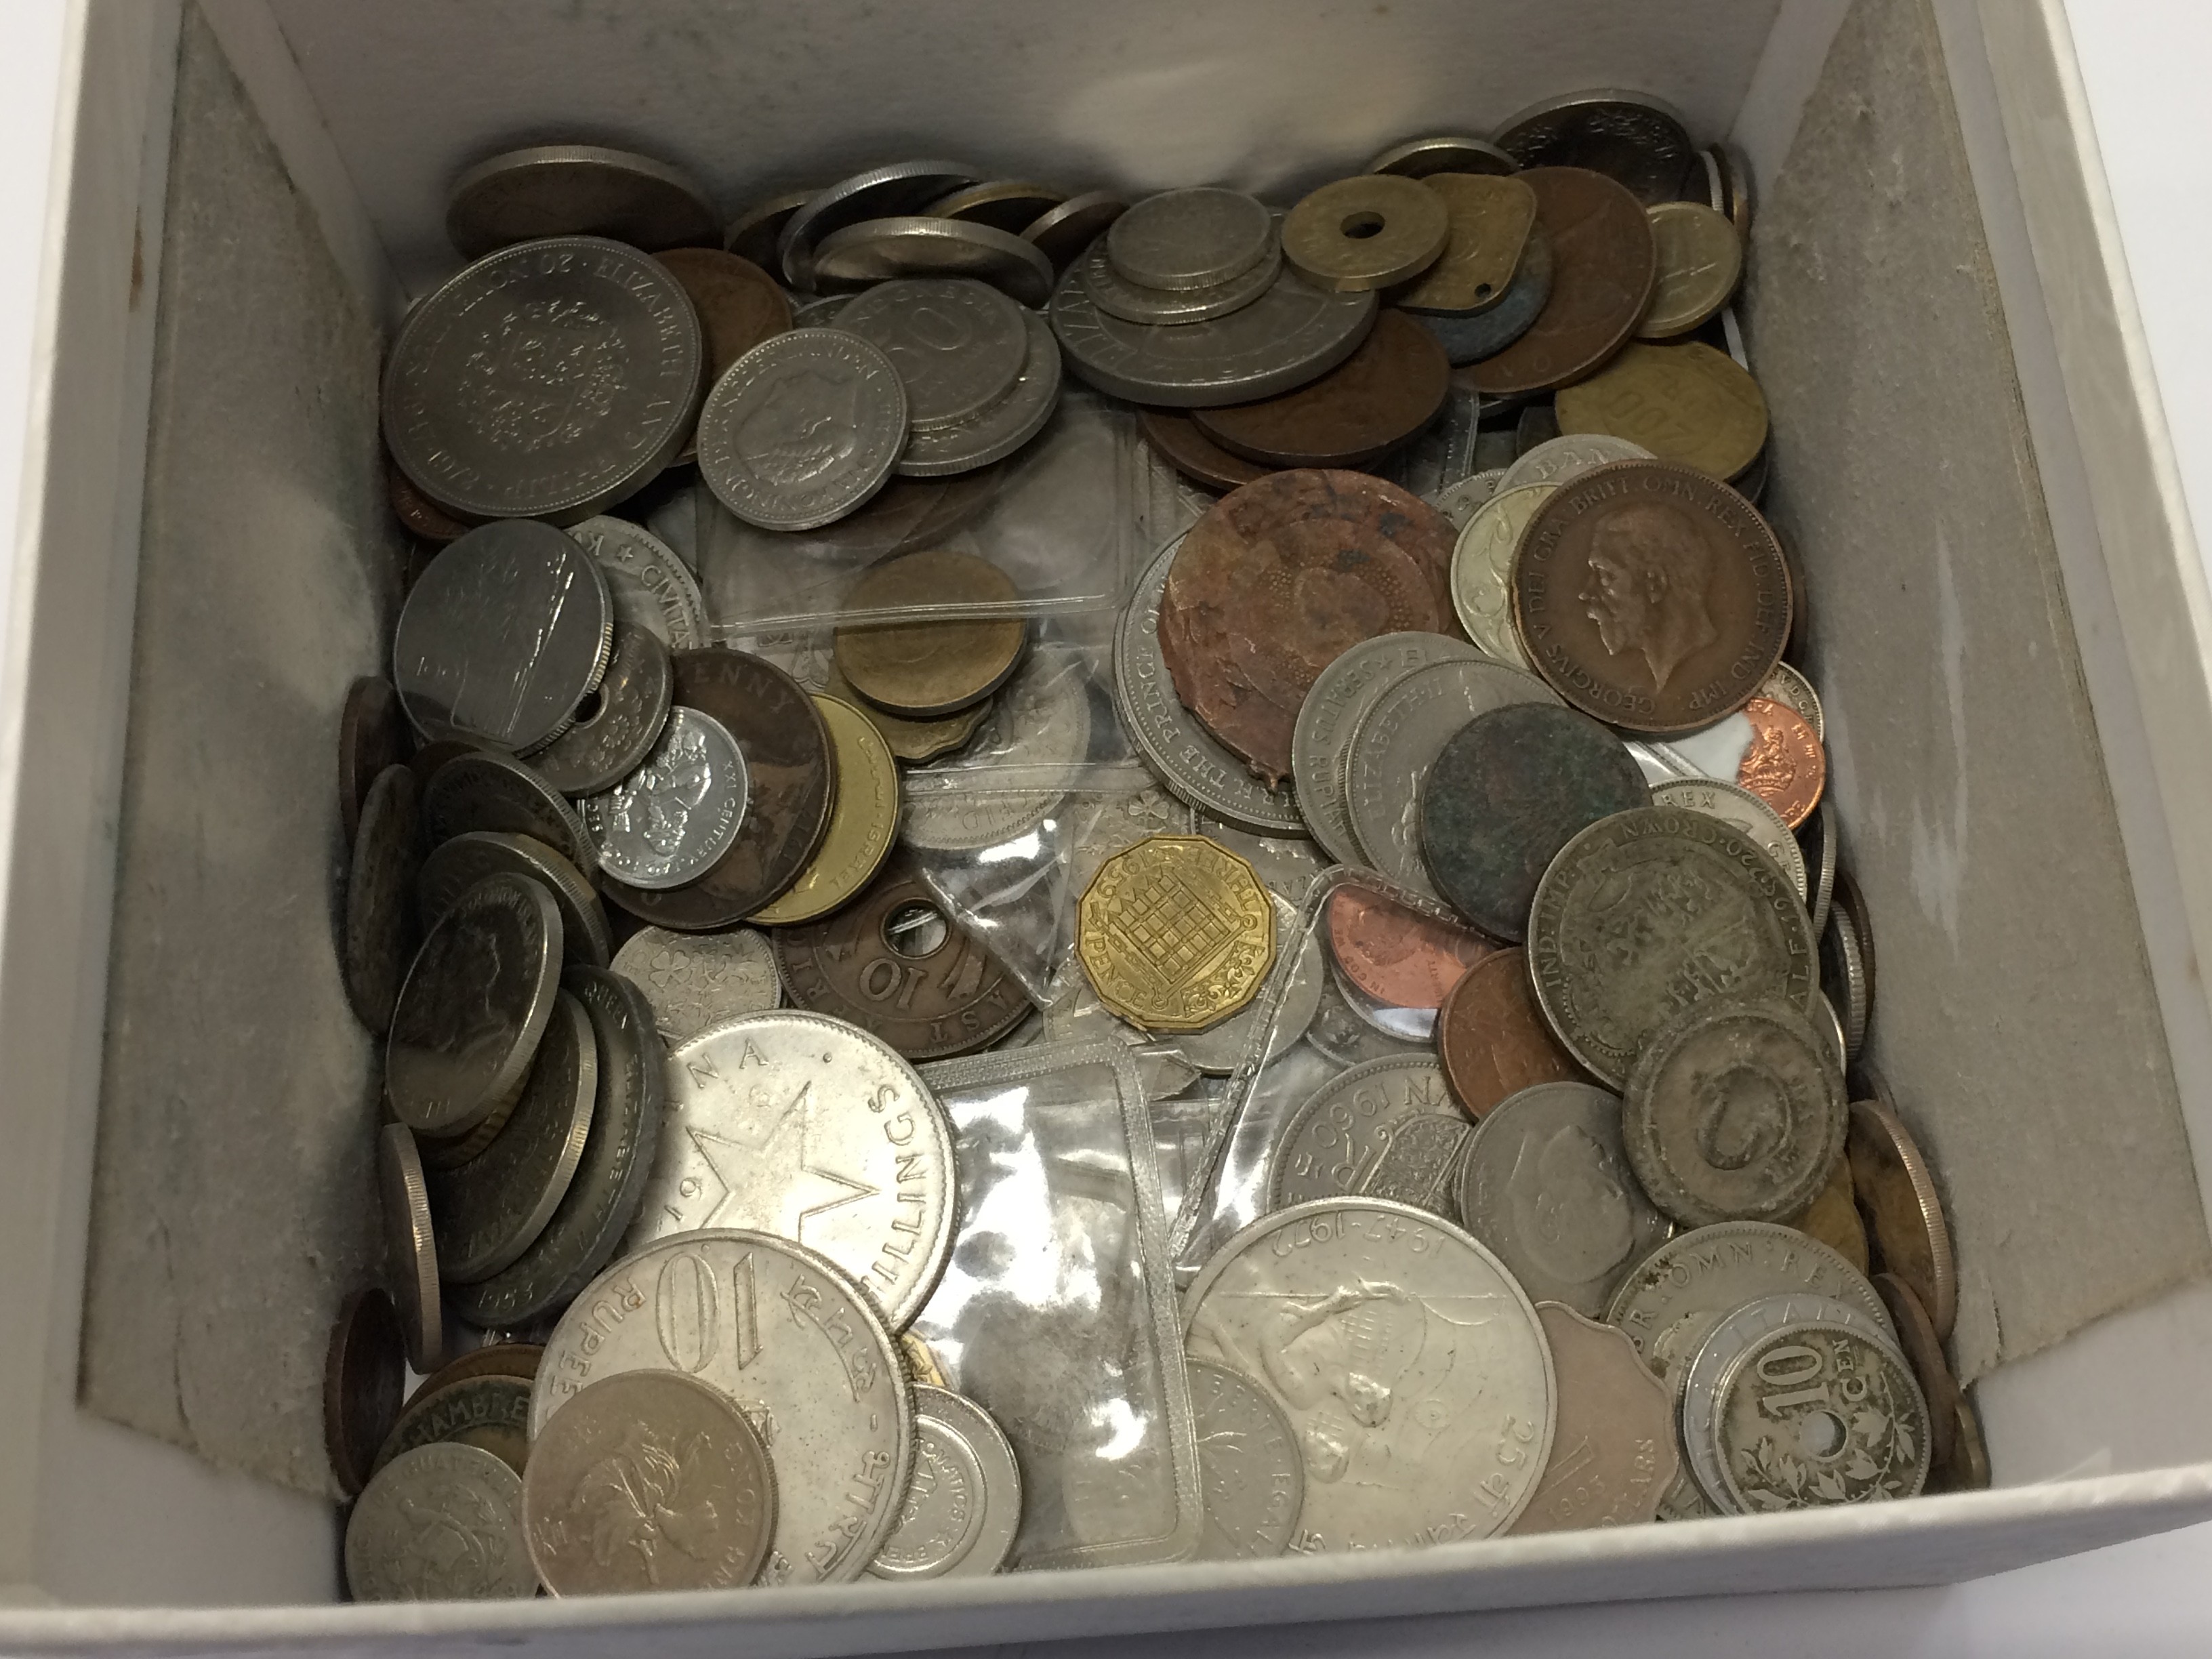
(1565, 1215)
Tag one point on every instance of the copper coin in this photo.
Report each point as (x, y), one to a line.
(908, 514)
(1897, 1195)
(738, 304)
(895, 964)
(1604, 263)
(1924, 1351)
(364, 1374)
(1176, 438)
(372, 734)
(794, 787)
(1063, 231)
(418, 513)
(1360, 410)
(493, 1360)
(1786, 766)
(1833, 1218)
(1651, 596)
(1278, 580)
(1493, 1037)
(1398, 956)
(928, 668)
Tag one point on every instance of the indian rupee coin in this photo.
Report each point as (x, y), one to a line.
(1733, 804)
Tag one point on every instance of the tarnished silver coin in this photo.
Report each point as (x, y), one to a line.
(693, 981)
(410, 1247)
(1843, 974)
(754, 234)
(996, 432)
(668, 821)
(1732, 804)
(924, 245)
(1220, 1049)
(942, 1520)
(1631, 137)
(1822, 866)
(802, 428)
(549, 379)
(802, 1126)
(1417, 158)
(1409, 1365)
(1470, 338)
(1482, 569)
(1331, 1147)
(1321, 742)
(819, 313)
(1248, 1466)
(880, 192)
(1349, 1037)
(578, 190)
(503, 634)
(1002, 1476)
(483, 791)
(1063, 231)
(1040, 725)
(793, 1341)
(442, 1522)
(459, 864)
(959, 345)
(1117, 296)
(648, 582)
(1460, 502)
(619, 722)
(1192, 237)
(1558, 459)
(1546, 1185)
(380, 930)
(1814, 1414)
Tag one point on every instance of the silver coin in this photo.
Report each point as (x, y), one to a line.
(1732, 804)
(1558, 459)
(998, 431)
(1186, 755)
(804, 1127)
(577, 190)
(1411, 1368)
(1039, 728)
(551, 380)
(504, 633)
(669, 821)
(480, 791)
(410, 1247)
(942, 1514)
(1008, 204)
(1347, 1036)
(1630, 136)
(1331, 1147)
(1398, 741)
(455, 865)
(1292, 334)
(1417, 158)
(381, 874)
(1458, 501)
(1199, 237)
(1481, 334)
(693, 981)
(787, 1336)
(1065, 231)
(618, 724)
(442, 1522)
(820, 313)
(1117, 296)
(802, 430)
(1813, 1414)
(1002, 1476)
(886, 250)
(648, 582)
(1829, 1024)
(1248, 1466)
(1844, 968)
(754, 234)
(1287, 866)
(1546, 1185)
(1482, 570)
(880, 192)
(1823, 874)
(957, 345)
(1220, 1048)
(1322, 740)
(1786, 686)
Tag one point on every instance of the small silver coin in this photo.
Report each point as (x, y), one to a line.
(1417, 158)
(1813, 1414)
(648, 582)
(799, 1124)
(549, 379)
(669, 821)
(1822, 871)
(1786, 686)
(410, 1247)
(379, 941)
(1459, 502)
(959, 345)
(943, 1515)
(1248, 1466)
(1331, 1147)
(1630, 136)
(577, 190)
(693, 981)
(886, 250)
(1220, 1048)
(1844, 972)
(1004, 427)
(1348, 1036)
(1560, 459)
(481, 791)
(1481, 334)
(619, 722)
(442, 1522)
(504, 633)
(802, 430)
(1117, 296)
(455, 865)
(880, 192)
(1732, 804)
(1199, 237)
(1002, 1476)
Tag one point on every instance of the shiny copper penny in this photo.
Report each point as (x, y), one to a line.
(1397, 956)
(1786, 766)
(1360, 411)
(372, 734)
(1177, 439)
(364, 1374)
(1604, 264)
(1493, 1039)
(1278, 580)
(1897, 1195)
(1651, 596)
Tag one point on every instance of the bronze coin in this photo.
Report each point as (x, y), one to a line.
(895, 964)
(1493, 1037)
(1397, 956)
(1061, 233)
(908, 514)
(1903, 1214)
(425, 762)
(1362, 409)
(794, 787)
(380, 934)
(372, 734)
(1652, 597)
(1833, 1219)
(1177, 439)
(1605, 262)
(1786, 766)
(738, 304)
(928, 669)
(364, 1374)
(1924, 1351)
(490, 1412)
(1281, 577)
(754, 234)
(421, 515)
(909, 740)
(493, 1360)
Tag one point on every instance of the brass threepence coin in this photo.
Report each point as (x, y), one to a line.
(578, 190)
(1178, 441)
(444, 1524)
(1652, 597)
(1371, 231)
(380, 934)
(1177, 934)
(1631, 137)
(861, 829)
(481, 790)
(1603, 265)
(671, 819)
(618, 723)
(1251, 1468)
(921, 1361)
(372, 734)
(1815, 1414)
(1700, 262)
(489, 1411)
(1491, 219)
(1687, 403)
(493, 1360)
(935, 665)
(1063, 231)
(1482, 569)
(1399, 958)
(693, 981)
(1613, 1457)
(1492, 1036)
(1193, 238)
(1008, 204)
(454, 866)
(364, 1374)
(1368, 405)
(411, 1247)
(1833, 1219)
(1417, 158)
(1897, 1194)
(921, 246)
(1786, 766)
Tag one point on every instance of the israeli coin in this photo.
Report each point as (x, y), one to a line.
(1492, 1039)
(551, 380)
(1331, 1147)
(1482, 569)
(670, 821)
(1248, 1465)
(364, 1376)
(443, 1523)
(1419, 158)
(788, 1337)
(861, 828)
(577, 190)
(1320, 741)
(649, 583)
(1490, 220)
(1065, 231)
(1459, 502)
(754, 234)
(621, 722)
(1546, 1185)
(1685, 403)
(1630, 136)
(372, 734)
(1471, 337)
(1039, 727)
(902, 187)
(802, 430)
(1373, 230)
(378, 940)
(805, 1127)
(1133, 302)
(500, 639)
(1733, 805)
(1410, 1366)
(410, 1247)
(1814, 1414)
(876, 250)
(454, 866)
(1603, 265)
(649, 1480)
(1368, 405)
(957, 343)
(1004, 427)
(1559, 460)
(485, 791)
(1613, 1457)
(1175, 933)
(1193, 238)
(693, 981)
(1897, 1192)
(1008, 204)
(1700, 261)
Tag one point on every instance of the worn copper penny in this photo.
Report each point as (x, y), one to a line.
(1897, 1195)
(1785, 765)
(738, 304)
(1493, 1037)
(794, 789)
(493, 1360)
(364, 1374)
(1362, 409)
(1176, 439)
(372, 734)
(1924, 1351)
(1278, 580)
(1614, 1455)
(419, 514)
(1397, 956)
(1604, 264)
(928, 669)
(1651, 596)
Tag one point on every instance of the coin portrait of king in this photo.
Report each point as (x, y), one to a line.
(1647, 585)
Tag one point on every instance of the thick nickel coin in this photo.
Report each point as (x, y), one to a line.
(997, 431)
(454, 866)
(1897, 1194)
(1492, 1036)
(1371, 231)
(1700, 262)
(1786, 766)
(802, 430)
(938, 1408)
(1482, 568)
(1419, 158)
(670, 821)
(380, 934)
(1345, 1312)
(1630, 136)
(791, 1340)
(1321, 740)
(1491, 220)
(693, 981)
(861, 828)
(902, 187)
(1652, 597)
(1613, 1457)
(444, 1524)
(1132, 303)
(1685, 403)
(1368, 405)
(372, 734)
(1176, 439)
(618, 723)
(1398, 957)
(1603, 265)
(649, 584)
(504, 635)
(738, 304)
(754, 234)
(1559, 460)
(650, 1480)
(1469, 337)
(411, 1247)
(1175, 933)
(489, 1411)
(1248, 1464)
(577, 190)
(943, 1515)
(1546, 1185)
(937, 665)
(1065, 231)
(1732, 804)
(551, 380)
(1334, 1145)
(921, 246)
(1814, 1414)
(1008, 204)
(958, 343)
(364, 1376)
(485, 791)
(1191, 238)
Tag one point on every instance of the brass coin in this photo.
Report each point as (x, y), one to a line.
(490, 1413)
(493, 1360)
(1700, 262)
(1176, 439)
(1897, 1195)
(921, 1361)
(861, 829)
(1604, 265)
(1063, 231)
(1491, 219)
(911, 740)
(1177, 934)
(926, 668)
(1368, 404)
(1007, 204)
(1833, 1219)
(1368, 232)
(1687, 403)
(364, 1374)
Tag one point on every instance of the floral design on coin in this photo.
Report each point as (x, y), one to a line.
(694, 981)
(1352, 1137)
(443, 1523)
(1177, 934)
(802, 430)
(1815, 1414)
(671, 820)
(1248, 1463)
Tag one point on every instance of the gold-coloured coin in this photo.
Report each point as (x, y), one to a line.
(1491, 219)
(1833, 1219)
(1687, 403)
(1370, 232)
(925, 667)
(921, 1361)
(1175, 933)
(1700, 262)
(911, 740)
(862, 826)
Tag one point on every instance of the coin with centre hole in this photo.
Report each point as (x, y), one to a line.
(927, 668)
(803, 428)
(1371, 231)
(1193, 238)
(1603, 265)
(455, 865)
(671, 819)
(1631, 137)
(1814, 1414)
(650, 586)
(364, 1376)
(411, 1249)
(920, 245)
(1700, 262)
(618, 724)
(379, 936)
(1249, 1464)
(1065, 231)
(1368, 404)
(443, 1524)
(578, 190)
(1492, 1036)
(481, 791)
(1685, 403)
(861, 828)
(1491, 219)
